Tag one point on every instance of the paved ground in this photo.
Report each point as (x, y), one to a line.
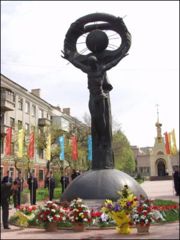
(154, 189)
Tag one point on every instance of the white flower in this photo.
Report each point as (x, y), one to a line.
(79, 200)
(136, 215)
(104, 217)
(53, 210)
(157, 215)
(146, 221)
(54, 205)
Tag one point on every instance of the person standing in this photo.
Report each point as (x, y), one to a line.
(50, 184)
(176, 178)
(33, 186)
(74, 174)
(7, 178)
(20, 182)
(7, 189)
(64, 182)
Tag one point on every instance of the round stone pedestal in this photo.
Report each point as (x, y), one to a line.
(100, 185)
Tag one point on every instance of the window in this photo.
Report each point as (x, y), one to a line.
(19, 124)
(41, 153)
(40, 113)
(12, 122)
(27, 107)
(11, 172)
(20, 104)
(41, 175)
(27, 127)
(33, 110)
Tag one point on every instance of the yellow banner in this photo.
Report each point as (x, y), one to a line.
(48, 148)
(20, 143)
(173, 143)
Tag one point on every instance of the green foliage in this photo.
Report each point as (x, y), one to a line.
(160, 202)
(57, 177)
(171, 215)
(13, 219)
(24, 197)
(139, 178)
(124, 158)
(42, 194)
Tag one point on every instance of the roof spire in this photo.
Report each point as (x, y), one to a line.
(157, 105)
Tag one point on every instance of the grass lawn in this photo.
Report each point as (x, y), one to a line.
(168, 209)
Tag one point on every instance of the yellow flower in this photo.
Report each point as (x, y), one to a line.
(23, 218)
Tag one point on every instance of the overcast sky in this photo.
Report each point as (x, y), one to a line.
(32, 37)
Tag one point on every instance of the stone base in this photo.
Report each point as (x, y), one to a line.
(160, 178)
(100, 185)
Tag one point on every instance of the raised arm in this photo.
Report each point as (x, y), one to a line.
(72, 59)
(113, 63)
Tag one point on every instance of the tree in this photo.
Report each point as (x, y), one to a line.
(124, 158)
(81, 135)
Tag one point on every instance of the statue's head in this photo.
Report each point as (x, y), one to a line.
(97, 41)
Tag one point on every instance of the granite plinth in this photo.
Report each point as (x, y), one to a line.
(101, 184)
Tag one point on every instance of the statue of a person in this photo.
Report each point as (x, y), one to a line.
(95, 66)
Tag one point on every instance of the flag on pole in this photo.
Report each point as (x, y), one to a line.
(74, 148)
(167, 146)
(8, 141)
(31, 146)
(89, 147)
(173, 143)
(48, 148)
(20, 143)
(61, 143)
(170, 142)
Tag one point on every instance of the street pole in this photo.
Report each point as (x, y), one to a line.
(20, 190)
(49, 187)
(9, 174)
(32, 190)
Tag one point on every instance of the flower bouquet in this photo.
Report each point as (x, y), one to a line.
(143, 214)
(25, 214)
(50, 214)
(26, 209)
(100, 219)
(120, 211)
(79, 214)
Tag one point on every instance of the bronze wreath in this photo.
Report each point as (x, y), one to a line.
(79, 27)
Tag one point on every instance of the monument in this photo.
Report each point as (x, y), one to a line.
(102, 181)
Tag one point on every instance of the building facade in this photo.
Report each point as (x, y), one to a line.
(154, 162)
(21, 109)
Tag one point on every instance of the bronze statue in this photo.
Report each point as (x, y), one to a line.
(95, 64)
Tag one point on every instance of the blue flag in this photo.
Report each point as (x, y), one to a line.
(89, 147)
(61, 143)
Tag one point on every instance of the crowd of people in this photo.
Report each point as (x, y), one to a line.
(10, 187)
(14, 188)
